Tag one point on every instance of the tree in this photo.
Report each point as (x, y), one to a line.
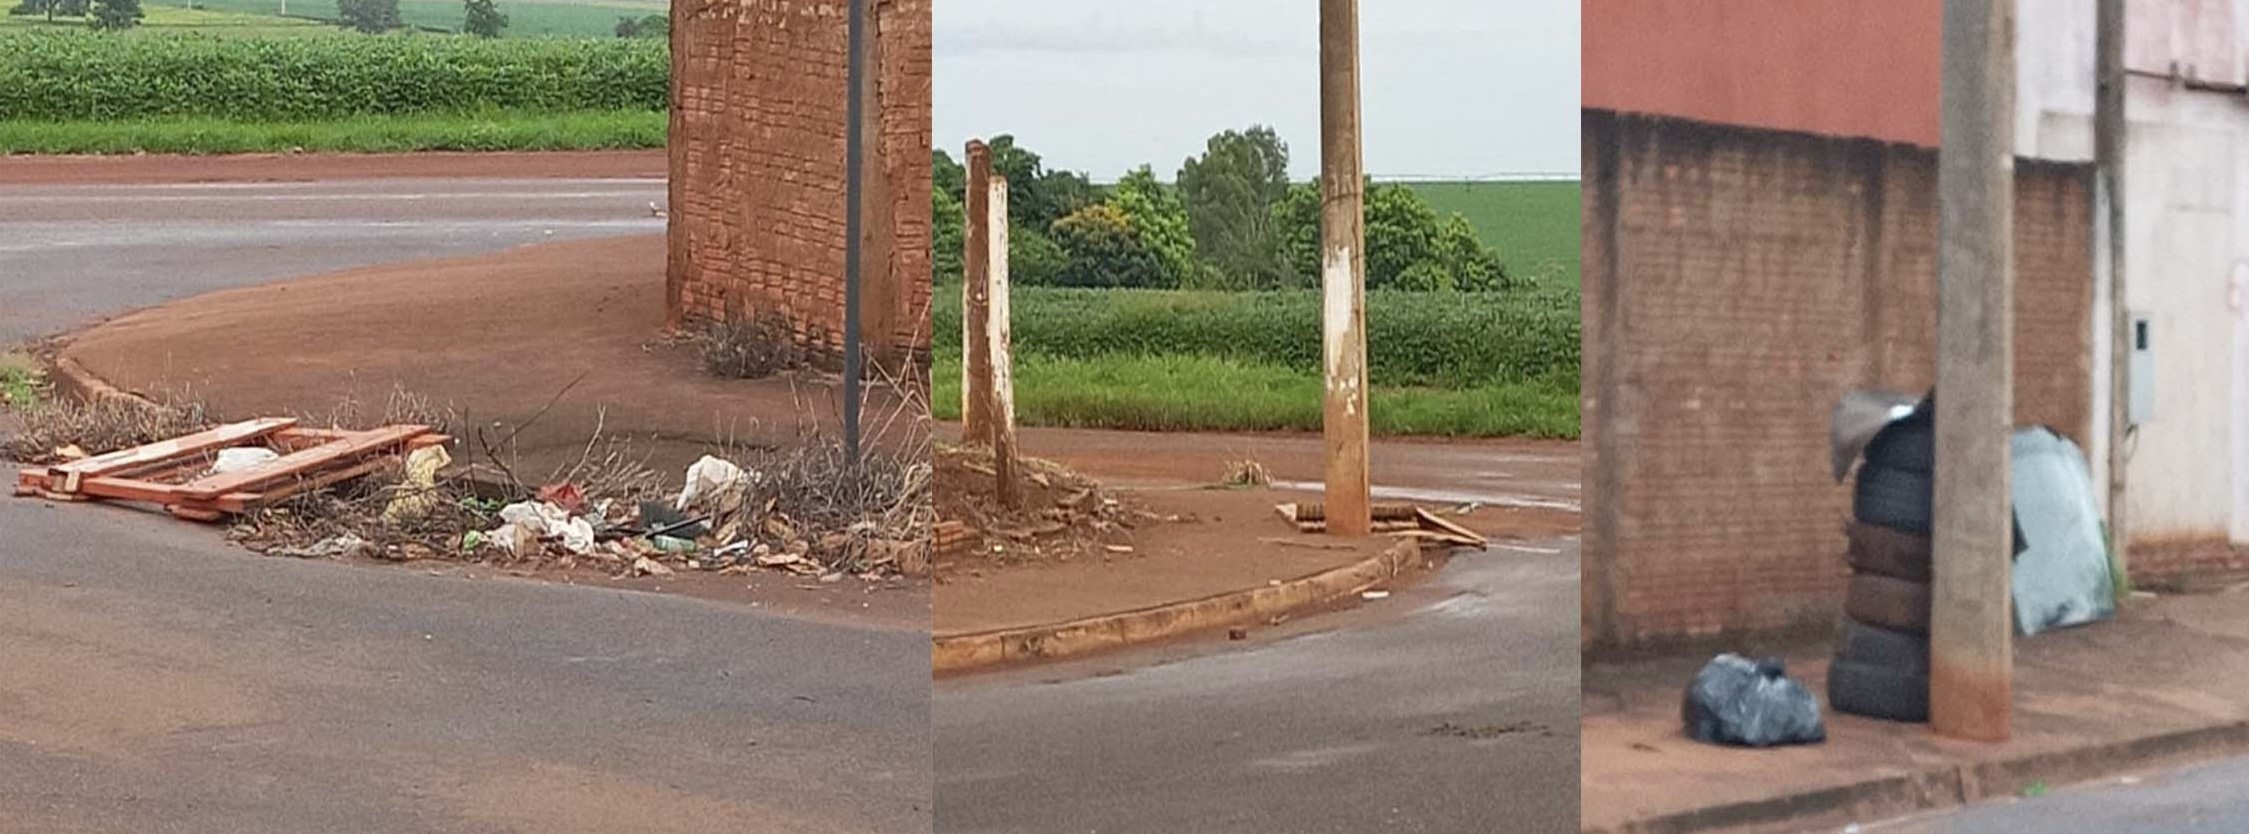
(68, 8)
(483, 19)
(1102, 251)
(1037, 197)
(372, 17)
(656, 26)
(948, 238)
(116, 15)
(1407, 246)
(1158, 220)
(628, 27)
(1230, 193)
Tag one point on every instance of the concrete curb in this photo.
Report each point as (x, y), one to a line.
(73, 379)
(962, 652)
(1949, 786)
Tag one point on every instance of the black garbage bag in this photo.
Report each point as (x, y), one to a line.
(1751, 704)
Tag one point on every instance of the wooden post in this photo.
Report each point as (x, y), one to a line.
(976, 263)
(1971, 676)
(999, 339)
(1343, 272)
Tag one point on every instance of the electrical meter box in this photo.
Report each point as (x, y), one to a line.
(2139, 404)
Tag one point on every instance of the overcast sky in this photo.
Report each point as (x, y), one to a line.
(1450, 88)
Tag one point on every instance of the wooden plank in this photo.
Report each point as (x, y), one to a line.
(300, 462)
(242, 502)
(203, 441)
(127, 489)
(1464, 534)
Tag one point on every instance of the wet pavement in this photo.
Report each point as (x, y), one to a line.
(1450, 706)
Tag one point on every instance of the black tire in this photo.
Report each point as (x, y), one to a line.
(1909, 445)
(1881, 648)
(1894, 498)
(1888, 602)
(1880, 550)
(1875, 692)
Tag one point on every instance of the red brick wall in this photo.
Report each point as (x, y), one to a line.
(757, 168)
(1737, 282)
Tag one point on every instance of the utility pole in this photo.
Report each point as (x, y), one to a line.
(1343, 272)
(1971, 686)
(2108, 155)
(854, 176)
(976, 262)
(1000, 341)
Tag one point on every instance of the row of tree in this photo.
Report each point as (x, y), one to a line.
(1232, 220)
(106, 15)
(481, 18)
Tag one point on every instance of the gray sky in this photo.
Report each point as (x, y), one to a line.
(1450, 88)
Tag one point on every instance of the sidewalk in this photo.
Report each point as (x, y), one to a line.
(554, 339)
(2161, 683)
(1230, 560)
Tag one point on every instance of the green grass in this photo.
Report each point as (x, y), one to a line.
(1534, 225)
(1443, 340)
(495, 131)
(1191, 393)
(20, 382)
(542, 18)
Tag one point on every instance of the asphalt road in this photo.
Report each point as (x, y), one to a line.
(155, 679)
(1450, 706)
(2207, 799)
(73, 254)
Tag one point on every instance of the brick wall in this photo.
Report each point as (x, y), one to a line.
(757, 169)
(1737, 282)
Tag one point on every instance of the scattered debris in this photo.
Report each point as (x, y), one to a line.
(1374, 595)
(645, 566)
(169, 473)
(1400, 520)
(1483, 732)
(1064, 515)
(1244, 474)
(242, 457)
(334, 547)
(1740, 702)
(417, 493)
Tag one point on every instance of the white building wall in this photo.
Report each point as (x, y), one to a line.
(2186, 237)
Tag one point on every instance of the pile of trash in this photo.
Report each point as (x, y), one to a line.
(726, 518)
(1064, 514)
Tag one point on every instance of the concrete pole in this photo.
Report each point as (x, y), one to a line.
(1343, 270)
(976, 263)
(1971, 686)
(999, 339)
(2108, 154)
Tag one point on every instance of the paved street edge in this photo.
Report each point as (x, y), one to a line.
(975, 650)
(1954, 785)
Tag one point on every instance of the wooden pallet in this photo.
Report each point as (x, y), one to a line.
(175, 474)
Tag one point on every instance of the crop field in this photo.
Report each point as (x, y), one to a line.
(526, 18)
(179, 90)
(1534, 225)
(179, 19)
(1459, 364)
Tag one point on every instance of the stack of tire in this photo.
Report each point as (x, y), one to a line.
(1881, 667)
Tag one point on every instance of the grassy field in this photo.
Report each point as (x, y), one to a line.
(1534, 225)
(174, 19)
(1470, 365)
(526, 18)
(497, 131)
(1198, 393)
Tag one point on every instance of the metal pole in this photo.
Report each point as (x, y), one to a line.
(976, 262)
(1971, 687)
(854, 142)
(1343, 270)
(2108, 153)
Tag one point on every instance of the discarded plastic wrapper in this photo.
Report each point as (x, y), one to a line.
(1750, 704)
(417, 492)
(243, 457)
(709, 478)
(543, 521)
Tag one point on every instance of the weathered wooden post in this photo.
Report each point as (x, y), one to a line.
(976, 367)
(1000, 341)
(1343, 270)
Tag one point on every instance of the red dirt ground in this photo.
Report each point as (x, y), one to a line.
(158, 168)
